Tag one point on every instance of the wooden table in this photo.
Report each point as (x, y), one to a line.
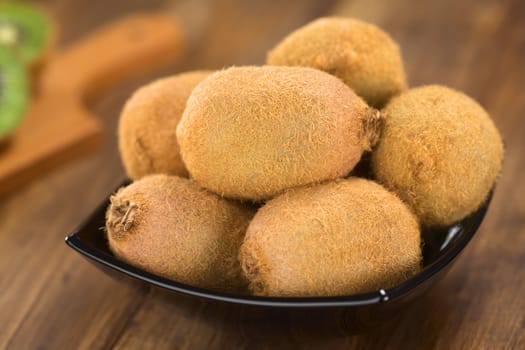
(51, 298)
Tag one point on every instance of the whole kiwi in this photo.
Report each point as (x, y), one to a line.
(169, 226)
(146, 134)
(338, 238)
(252, 132)
(361, 54)
(439, 151)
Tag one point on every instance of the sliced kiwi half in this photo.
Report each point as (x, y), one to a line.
(26, 30)
(13, 91)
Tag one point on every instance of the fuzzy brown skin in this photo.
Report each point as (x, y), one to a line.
(169, 226)
(439, 151)
(147, 140)
(361, 54)
(339, 238)
(252, 132)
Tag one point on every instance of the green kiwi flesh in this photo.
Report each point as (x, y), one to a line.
(25, 29)
(13, 91)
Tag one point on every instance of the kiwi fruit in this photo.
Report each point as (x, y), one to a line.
(13, 92)
(439, 151)
(252, 132)
(169, 226)
(338, 238)
(27, 30)
(147, 126)
(361, 54)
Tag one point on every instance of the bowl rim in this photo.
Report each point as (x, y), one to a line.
(74, 241)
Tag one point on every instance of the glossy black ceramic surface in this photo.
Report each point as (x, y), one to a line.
(347, 313)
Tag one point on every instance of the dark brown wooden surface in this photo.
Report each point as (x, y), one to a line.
(51, 298)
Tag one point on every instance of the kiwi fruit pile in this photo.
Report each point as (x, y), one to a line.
(250, 179)
(26, 37)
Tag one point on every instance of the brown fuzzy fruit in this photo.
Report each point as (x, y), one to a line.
(169, 226)
(439, 151)
(339, 238)
(253, 132)
(147, 140)
(362, 55)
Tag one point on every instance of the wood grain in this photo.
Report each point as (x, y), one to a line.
(51, 298)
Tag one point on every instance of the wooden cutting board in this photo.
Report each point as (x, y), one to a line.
(58, 127)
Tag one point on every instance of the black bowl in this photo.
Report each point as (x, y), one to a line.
(353, 313)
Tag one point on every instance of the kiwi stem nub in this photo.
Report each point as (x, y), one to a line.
(371, 125)
(252, 272)
(121, 214)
